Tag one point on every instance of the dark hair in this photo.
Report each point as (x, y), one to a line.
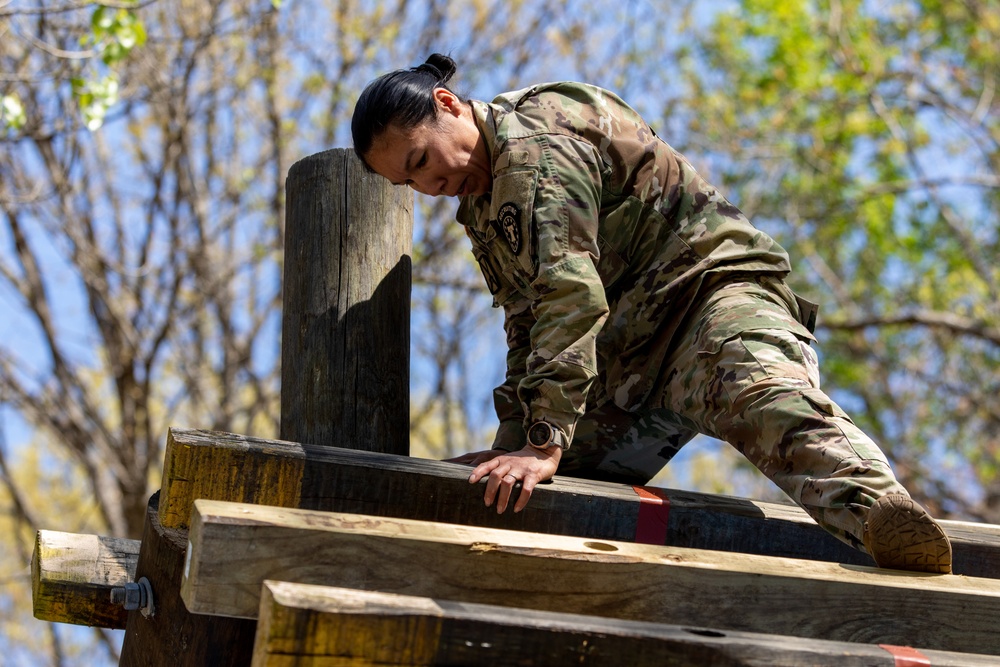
(404, 97)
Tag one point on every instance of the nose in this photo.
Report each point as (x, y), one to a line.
(433, 186)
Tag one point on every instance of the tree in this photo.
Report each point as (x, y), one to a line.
(140, 260)
(867, 139)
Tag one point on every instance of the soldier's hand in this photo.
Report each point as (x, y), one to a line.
(529, 466)
(475, 458)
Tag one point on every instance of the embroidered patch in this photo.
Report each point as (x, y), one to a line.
(509, 217)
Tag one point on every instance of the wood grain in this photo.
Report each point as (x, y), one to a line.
(222, 466)
(345, 335)
(173, 636)
(72, 577)
(320, 626)
(235, 547)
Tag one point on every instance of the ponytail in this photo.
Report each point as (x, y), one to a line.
(404, 97)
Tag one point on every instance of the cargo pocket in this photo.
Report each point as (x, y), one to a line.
(761, 355)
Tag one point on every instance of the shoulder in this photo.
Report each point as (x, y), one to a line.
(555, 95)
(564, 107)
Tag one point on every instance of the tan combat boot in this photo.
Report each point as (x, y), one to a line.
(901, 535)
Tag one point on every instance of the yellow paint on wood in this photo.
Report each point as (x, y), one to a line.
(72, 577)
(195, 467)
(306, 621)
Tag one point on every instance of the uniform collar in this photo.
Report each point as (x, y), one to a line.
(487, 117)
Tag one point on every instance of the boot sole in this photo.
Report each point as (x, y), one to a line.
(901, 535)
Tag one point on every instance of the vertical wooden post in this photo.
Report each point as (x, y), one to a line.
(172, 636)
(344, 379)
(346, 325)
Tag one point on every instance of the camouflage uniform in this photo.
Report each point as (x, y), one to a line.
(641, 308)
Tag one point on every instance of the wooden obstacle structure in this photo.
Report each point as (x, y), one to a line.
(332, 546)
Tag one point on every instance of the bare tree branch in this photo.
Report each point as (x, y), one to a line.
(948, 321)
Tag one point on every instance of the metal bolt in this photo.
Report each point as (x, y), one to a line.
(134, 596)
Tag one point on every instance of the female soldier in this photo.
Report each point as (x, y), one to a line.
(640, 306)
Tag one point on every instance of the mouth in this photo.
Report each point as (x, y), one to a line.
(462, 187)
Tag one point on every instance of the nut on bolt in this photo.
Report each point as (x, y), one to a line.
(132, 596)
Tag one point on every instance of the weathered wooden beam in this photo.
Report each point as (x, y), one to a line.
(221, 466)
(345, 331)
(172, 636)
(234, 547)
(72, 577)
(319, 625)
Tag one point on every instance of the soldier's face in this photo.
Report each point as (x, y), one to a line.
(444, 156)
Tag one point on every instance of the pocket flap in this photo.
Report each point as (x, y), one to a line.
(513, 203)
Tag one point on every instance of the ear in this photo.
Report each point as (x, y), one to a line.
(447, 101)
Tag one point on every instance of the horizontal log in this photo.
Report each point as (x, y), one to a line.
(72, 577)
(222, 466)
(234, 547)
(335, 626)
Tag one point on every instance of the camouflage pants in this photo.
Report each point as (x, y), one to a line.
(743, 372)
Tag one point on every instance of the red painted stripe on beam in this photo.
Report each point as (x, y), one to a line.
(906, 656)
(654, 510)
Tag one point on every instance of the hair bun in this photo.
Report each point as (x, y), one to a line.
(439, 66)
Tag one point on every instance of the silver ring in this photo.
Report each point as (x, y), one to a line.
(511, 476)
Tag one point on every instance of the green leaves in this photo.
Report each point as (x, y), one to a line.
(95, 97)
(115, 33)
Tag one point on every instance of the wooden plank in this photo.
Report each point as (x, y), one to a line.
(221, 466)
(235, 547)
(174, 637)
(302, 625)
(72, 577)
(345, 330)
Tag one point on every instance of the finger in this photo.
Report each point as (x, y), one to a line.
(483, 469)
(527, 486)
(493, 483)
(506, 488)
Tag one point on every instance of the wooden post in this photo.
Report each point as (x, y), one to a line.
(345, 332)
(345, 373)
(173, 636)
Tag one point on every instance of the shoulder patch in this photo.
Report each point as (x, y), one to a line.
(509, 217)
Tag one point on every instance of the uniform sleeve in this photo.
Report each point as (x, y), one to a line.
(571, 308)
(511, 434)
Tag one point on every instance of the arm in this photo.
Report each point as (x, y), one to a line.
(560, 362)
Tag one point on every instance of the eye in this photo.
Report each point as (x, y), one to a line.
(422, 161)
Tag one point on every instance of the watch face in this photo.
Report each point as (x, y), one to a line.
(539, 434)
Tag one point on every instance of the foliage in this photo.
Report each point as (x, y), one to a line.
(141, 239)
(866, 138)
(92, 69)
(145, 148)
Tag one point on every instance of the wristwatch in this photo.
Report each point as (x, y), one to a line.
(542, 435)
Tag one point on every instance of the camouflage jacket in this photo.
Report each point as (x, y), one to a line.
(596, 239)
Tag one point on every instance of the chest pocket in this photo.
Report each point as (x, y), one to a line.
(510, 238)
(503, 274)
(498, 285)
